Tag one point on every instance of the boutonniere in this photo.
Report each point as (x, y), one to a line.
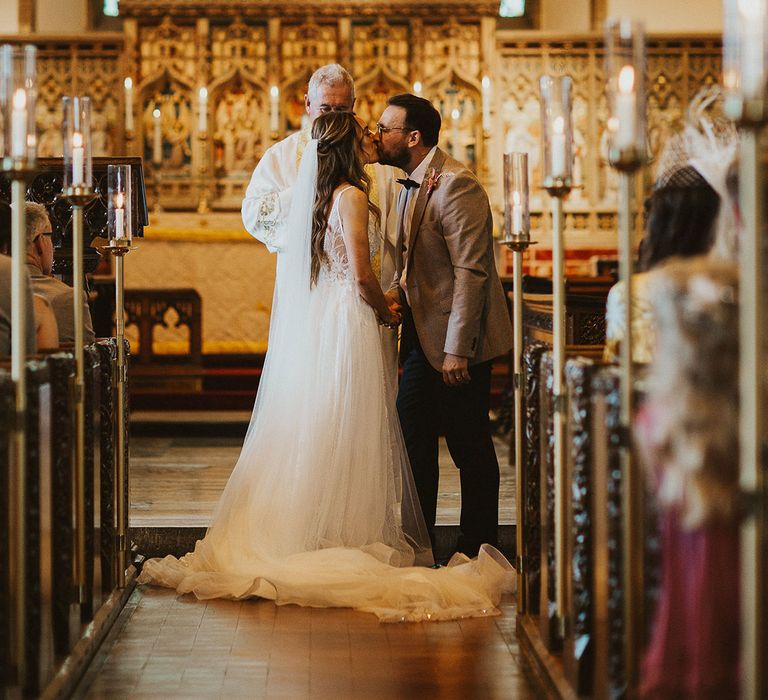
(434, 176)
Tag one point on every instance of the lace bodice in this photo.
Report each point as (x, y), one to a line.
(337, 266)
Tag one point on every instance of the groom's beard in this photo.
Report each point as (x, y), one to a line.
(398, 157)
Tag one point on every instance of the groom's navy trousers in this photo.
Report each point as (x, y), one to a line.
(427, 407)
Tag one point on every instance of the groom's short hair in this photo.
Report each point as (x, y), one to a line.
(420, 115)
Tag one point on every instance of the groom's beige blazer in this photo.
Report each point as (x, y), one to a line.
(455, 295)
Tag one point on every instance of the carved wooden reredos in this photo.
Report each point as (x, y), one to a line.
(238, 50)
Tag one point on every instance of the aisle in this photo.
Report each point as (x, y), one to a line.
(170, 648)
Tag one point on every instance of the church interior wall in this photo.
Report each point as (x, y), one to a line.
(204, 167)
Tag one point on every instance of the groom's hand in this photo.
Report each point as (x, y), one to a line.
(455, 370)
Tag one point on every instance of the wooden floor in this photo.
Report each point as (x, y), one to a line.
(178, 480)
(168, 647)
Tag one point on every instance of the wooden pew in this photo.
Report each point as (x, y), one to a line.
(66, 607)
(40, 577)
(7, 410)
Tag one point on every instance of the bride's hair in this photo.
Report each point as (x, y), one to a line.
(339, 159)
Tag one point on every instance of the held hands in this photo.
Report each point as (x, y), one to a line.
(456, 370)
(394, 317)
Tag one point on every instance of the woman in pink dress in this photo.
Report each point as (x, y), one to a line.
(687, 433)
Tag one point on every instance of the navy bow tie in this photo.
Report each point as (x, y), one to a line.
(407, 183)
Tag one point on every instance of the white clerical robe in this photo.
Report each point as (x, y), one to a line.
(268, 199)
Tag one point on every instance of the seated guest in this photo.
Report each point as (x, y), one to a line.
(681, 216)
(688, 213)
(5, 290)
(39, 264)
(687, 433)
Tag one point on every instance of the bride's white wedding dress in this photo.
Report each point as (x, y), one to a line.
(320, 509)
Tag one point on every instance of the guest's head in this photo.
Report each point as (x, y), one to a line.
(5, 228)
(39, 237)
(408, 128)
(330, 89)
(693, 387)
(344, 145)
(681, 218)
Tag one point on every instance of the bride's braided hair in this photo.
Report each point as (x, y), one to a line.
(339, 159)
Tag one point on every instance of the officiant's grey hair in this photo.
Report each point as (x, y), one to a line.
(333, 75)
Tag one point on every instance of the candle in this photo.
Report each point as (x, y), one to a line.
(157, 140)
(202, 106)
(78, 159)
(19, 124)
(486, 83)
(626, 109)
(558, 148)
(517, 214)
(274, 108)
(455, 116)
(128, 104)
(119, 216)
(417, 88)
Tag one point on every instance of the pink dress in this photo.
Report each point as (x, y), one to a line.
(694, 642)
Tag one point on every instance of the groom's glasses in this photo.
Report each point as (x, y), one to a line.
(381, 129)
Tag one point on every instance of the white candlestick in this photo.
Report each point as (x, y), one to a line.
(517, 214)
(202, 107)
(626, 109)
(78, 159)
(119, 222)
(274, 108)
(157, 139)
(455, 136)
(19, 124)
(128, 104)
(752, 59)
(558, 159)
(486, 83)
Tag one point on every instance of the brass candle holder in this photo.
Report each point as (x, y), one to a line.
(18, 92)
(517, 238)
(557, 142)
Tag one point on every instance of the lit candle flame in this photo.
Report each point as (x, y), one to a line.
(274, 91)
(203, 93)
(626, 79)
(77, 140)
(156, 113)
(128, 84)
(455, 114)
(417, 87)
(20, 99)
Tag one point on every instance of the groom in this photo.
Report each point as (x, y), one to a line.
(458, 322)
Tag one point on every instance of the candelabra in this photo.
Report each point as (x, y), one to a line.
(517, 238)
(744, 76)
(557, 150)
(625, 74)
(18, 92)
(119, 223)
(78, 191)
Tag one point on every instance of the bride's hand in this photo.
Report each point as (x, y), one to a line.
(392, 320)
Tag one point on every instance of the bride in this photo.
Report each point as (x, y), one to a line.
(321, 508)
